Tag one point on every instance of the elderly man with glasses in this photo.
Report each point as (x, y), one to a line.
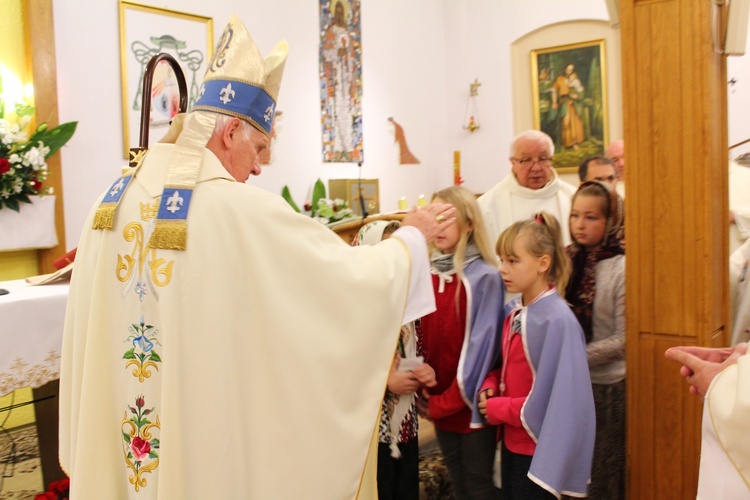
(531, 186)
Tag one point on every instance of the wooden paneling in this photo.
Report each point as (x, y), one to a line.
(40, 40)
(675, 129)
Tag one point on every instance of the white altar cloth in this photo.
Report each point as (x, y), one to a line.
(31, 326)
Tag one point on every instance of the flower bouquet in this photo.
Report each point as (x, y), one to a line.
(324, 210)
(23, 165)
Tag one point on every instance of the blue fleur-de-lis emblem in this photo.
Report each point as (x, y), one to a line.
(117, 187)
(227, 94)
(174, 202)
(268, 114)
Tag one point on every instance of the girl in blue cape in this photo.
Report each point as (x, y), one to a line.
(461, 340)
(541, 395)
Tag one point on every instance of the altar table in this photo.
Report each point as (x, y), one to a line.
(31, 326)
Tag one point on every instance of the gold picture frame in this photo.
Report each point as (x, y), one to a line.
(351, 189)
(569, 94)
(144, 32)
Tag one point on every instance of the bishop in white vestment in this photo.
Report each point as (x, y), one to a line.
(238, 349)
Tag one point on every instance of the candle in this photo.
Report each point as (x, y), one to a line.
(421, 201)
(403, 203)
(457, 168)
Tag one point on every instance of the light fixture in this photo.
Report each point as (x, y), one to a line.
(471, 117)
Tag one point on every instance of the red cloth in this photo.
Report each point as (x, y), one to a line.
(442, 337)
(65, 259)
(506, 409)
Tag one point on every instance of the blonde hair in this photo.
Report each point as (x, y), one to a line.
(467, 214)
(544, 238)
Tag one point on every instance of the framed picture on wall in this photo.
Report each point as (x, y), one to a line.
(144, 32)
(570, 100)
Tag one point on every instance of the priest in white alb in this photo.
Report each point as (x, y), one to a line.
(217, 344)
(531, 186)
(722, 377)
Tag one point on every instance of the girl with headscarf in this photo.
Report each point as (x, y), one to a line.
(596, 293)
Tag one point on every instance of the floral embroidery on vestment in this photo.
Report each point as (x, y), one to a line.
(140, 446)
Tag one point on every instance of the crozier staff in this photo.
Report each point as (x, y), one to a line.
(209, 344)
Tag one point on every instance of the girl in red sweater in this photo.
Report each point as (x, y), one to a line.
(541, 396)
(461, 340)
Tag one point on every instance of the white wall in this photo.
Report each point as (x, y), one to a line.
(419, 57)
(403, 77)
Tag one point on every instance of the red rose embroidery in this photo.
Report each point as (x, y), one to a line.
(140, 448)
(4, 165)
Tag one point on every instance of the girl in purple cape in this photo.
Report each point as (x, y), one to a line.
(461, 340)
(541, 394)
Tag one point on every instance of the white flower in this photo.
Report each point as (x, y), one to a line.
(35, 156)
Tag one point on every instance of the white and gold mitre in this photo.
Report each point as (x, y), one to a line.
(239, 81)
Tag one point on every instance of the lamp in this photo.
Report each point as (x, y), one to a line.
(471, 117)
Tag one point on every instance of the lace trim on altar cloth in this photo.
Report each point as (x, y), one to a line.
(22, 374)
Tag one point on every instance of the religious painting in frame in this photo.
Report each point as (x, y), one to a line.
(144, 32)
(569, 94)
(340, 59)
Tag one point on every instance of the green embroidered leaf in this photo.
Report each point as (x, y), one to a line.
(126, 436)
(152, 454)
(155, 443)
(155, 357)
(130, 354)
(130, 455)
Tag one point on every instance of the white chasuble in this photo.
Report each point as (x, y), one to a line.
(250, 365)
(725, 446)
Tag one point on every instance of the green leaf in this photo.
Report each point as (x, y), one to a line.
(24, 110)
(325, 211)
(152, 454)
(155, 357)
(155, 443)
(130, 354)
(288, 197)
(12, 204)
(23, 198)
(126, 436)
(319, 191)
(55, 138)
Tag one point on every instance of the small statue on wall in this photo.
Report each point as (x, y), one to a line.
(406, 157)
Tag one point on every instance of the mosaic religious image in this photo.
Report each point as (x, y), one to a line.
(341, 80)
(570, 100)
